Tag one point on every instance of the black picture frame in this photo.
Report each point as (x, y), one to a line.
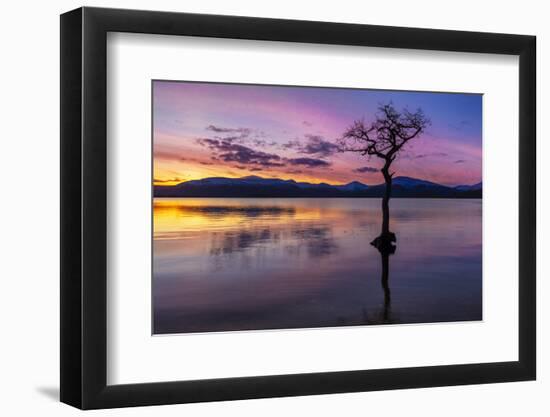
(84, 207)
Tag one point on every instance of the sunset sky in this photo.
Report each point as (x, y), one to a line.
(232, 130)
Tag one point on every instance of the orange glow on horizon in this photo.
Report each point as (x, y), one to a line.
(174, 173)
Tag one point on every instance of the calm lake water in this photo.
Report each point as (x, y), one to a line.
(240, 264)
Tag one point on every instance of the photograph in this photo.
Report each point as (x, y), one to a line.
(295, 207)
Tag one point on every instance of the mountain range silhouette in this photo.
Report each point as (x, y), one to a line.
(255, 186)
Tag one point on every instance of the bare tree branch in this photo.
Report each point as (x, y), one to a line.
(386, 135)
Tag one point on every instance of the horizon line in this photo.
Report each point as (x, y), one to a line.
(164, 183)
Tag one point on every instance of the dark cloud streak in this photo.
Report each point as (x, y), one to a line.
(362, 170)
(430, 154)
(309, 162)
(317, 145)
(242, 155)
(218, 129)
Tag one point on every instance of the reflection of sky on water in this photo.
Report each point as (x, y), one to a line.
(232, 264)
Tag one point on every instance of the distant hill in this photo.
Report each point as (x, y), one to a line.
(254, 186)
(474, 187)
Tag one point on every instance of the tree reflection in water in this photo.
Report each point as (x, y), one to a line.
(385, 252)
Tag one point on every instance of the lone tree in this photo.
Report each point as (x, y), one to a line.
(384, 138)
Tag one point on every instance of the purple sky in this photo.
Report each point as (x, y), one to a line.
(206, 129)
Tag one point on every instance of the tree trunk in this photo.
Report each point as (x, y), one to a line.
(386, 202)
(385, 241)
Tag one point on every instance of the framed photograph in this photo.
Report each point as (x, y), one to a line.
(257, 208)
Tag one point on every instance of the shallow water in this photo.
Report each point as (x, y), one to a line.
(240, 264)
